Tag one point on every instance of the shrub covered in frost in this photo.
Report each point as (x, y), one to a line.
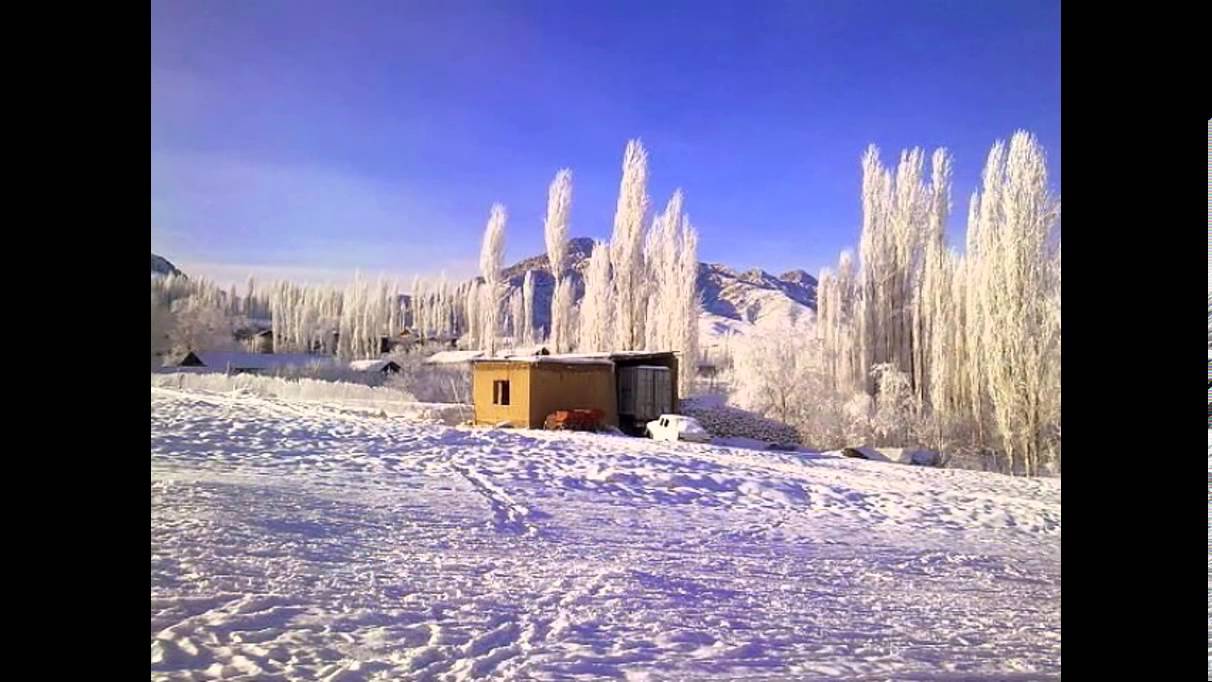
(726, 422)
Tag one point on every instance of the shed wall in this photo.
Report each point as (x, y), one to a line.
(572, 387)
(517, 413)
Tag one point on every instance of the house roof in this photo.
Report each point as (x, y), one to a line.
(372, 365)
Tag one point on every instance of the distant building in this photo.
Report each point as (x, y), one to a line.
(255, 338)
(252, 363)
(263, 341)
(382, 366)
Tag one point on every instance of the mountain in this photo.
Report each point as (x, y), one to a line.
(754, 294)
(732, 301)
(161, 266)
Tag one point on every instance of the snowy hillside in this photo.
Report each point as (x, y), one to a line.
(161, 266)
(751, 298)
(755, 294)
(291, 541)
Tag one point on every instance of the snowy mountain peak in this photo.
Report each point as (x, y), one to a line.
(799, 277)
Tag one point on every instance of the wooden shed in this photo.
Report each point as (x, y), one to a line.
(521, 392)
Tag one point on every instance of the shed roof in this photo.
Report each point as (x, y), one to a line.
(628, 354)
(523, 351)
(452, 357)
(566, 359)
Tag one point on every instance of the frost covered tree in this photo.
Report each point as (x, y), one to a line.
(446, 313)
(555, 233)
(1018, 215)
(896, 406)
(837, 325)
(516, 313)
(895, 209)
(945, 354)
(687, 306)
(199, 325)
(528, 330)
(492, 250)
(775, 372)
(874, 252)
(161, 329)
(974, 336)
(597, 306)
(661, 255)
(492, 254)
(626, 246)
(417, 304)
(827, 322)
(250, 298)
(562, 328)
(475, 325)
(232, 302)
(555, 226)
(671, 280)
(933, 284)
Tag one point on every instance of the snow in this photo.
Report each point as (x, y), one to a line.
(295, 541)
(324, 395)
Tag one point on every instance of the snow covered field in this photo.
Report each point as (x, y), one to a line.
(293, 541)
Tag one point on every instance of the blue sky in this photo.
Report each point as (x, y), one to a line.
(309, 139)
